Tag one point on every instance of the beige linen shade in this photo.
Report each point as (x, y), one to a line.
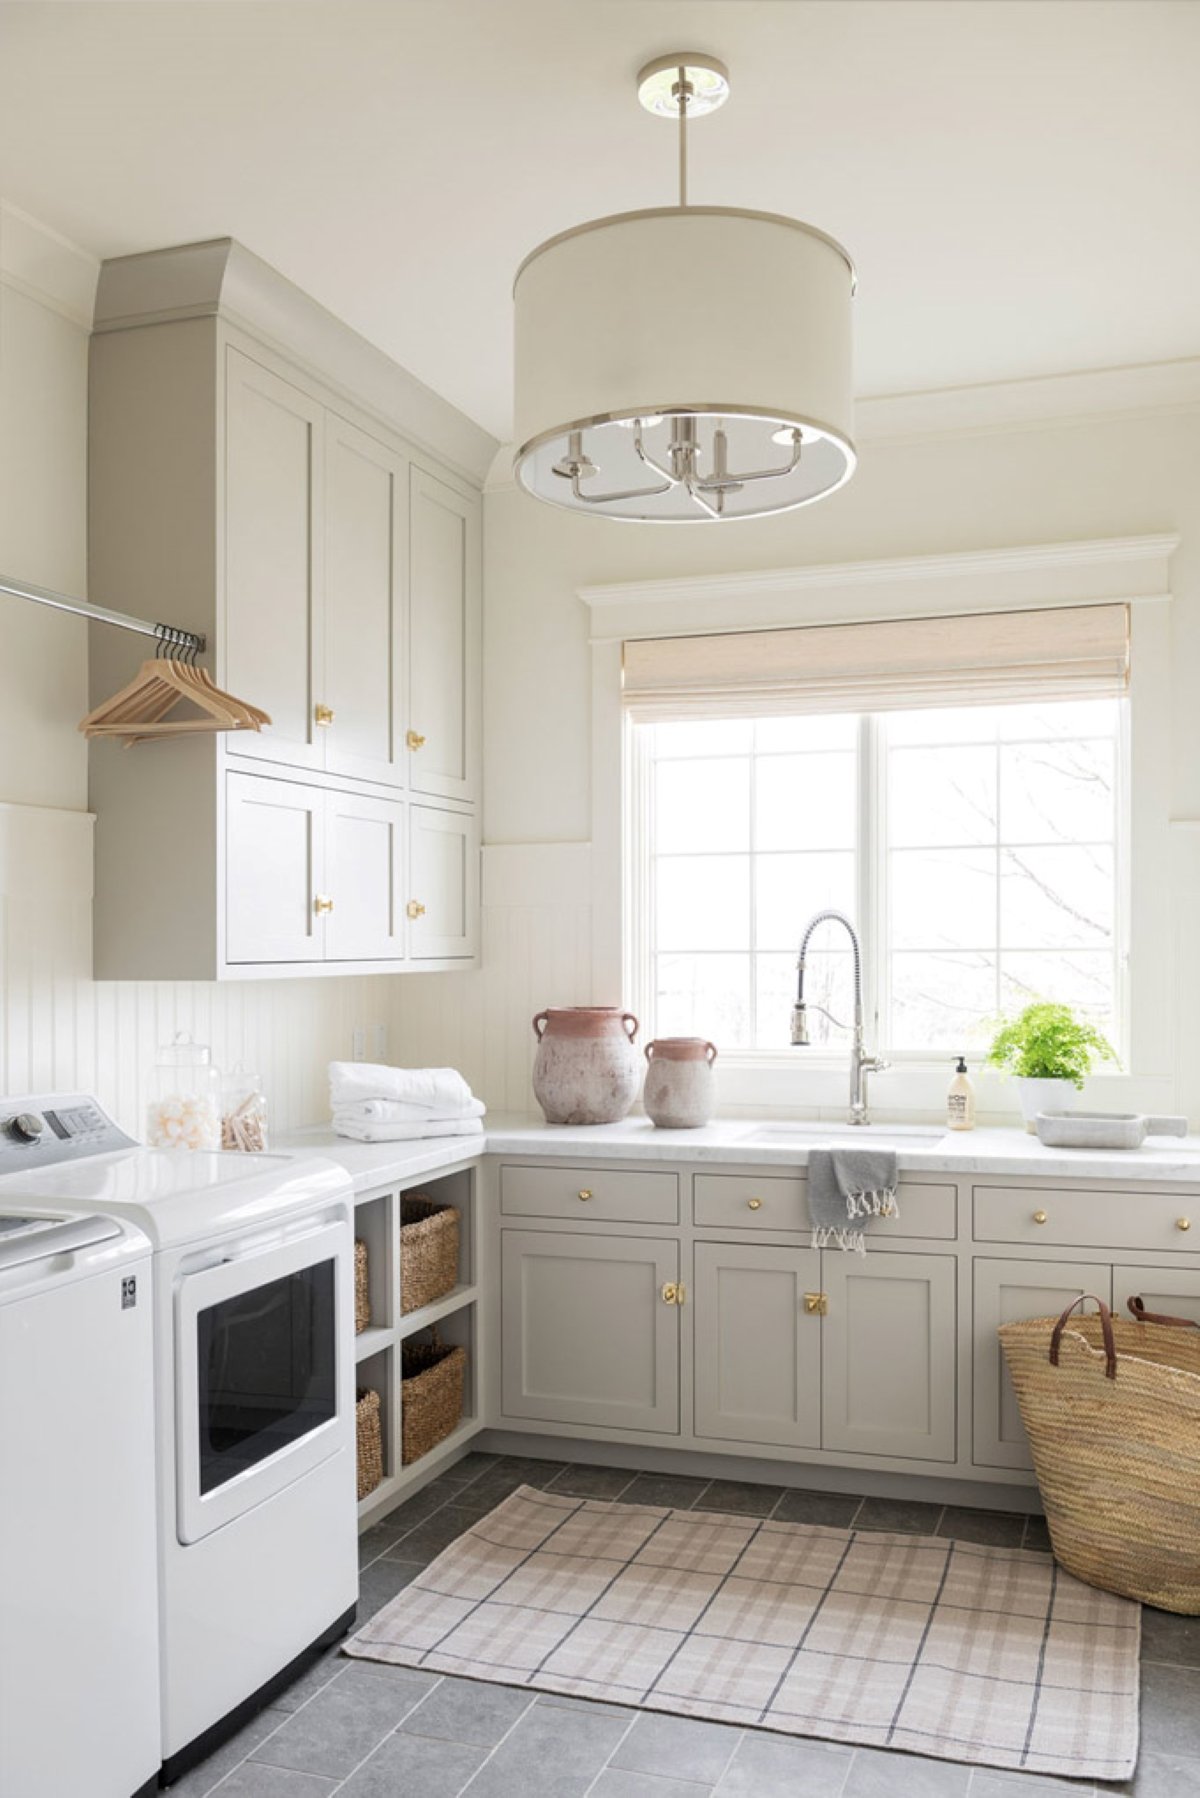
(990, 658)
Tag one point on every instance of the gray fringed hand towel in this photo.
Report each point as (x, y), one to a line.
(846, 1189)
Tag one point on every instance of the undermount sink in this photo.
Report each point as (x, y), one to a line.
(899, 1136)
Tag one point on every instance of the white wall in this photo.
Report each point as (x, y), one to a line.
(58, 1028)
(1128, 472)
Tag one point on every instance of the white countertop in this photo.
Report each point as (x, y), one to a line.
(1162, 1160)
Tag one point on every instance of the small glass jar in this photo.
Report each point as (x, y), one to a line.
(184, 1109)
(243, 1111)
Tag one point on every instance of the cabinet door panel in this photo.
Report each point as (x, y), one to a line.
(365, 523)
(274, 862)
(758, 1355)
(365, 841)
(444, 625)
(888, 1346)
(587, 1335)
(444, 879)
(1004, 1292)
(273, 481)
(1173, 1292)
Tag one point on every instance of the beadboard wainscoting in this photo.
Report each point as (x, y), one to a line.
(60, 1030)
(537, 951)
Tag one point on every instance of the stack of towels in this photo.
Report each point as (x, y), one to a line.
(374, 1103)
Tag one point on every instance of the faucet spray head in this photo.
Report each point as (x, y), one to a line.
(800, 1025)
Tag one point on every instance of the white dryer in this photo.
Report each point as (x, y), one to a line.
(79, 1675)
(252, 1279)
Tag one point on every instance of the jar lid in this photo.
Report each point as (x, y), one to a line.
(184, 1052)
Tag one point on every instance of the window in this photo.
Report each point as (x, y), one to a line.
(976, 849)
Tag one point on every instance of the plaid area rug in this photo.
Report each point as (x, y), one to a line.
(939, 1647)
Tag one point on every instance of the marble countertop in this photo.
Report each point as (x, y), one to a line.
(748, 1142)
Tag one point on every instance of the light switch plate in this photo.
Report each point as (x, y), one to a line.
(358, 1043)
(381, 1036)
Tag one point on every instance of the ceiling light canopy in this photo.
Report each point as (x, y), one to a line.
(684, 363)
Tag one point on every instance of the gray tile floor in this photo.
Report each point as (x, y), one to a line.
(364, 1730)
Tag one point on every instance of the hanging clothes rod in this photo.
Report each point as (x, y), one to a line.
(83, 608)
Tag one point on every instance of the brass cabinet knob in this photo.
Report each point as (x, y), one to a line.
(816, 1304)
(415, 740)
(585, 1193)
(1039, 1217)
(1183, 1223)
(670, 1293)
(323, 714)
(754, 1204)
(415, 909)
(322, 904)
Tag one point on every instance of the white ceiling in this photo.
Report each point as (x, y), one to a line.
(1016, 179)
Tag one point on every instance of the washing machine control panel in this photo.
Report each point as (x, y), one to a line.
(51, 1128)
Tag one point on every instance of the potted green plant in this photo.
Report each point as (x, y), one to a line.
(1049, 1052)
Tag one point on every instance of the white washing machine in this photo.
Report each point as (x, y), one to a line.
(79, 1675)
(252, 1278)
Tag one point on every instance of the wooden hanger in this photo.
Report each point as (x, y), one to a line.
(139, 710)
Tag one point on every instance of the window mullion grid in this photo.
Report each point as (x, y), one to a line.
(752, 841)
(871, 862)
(641, 861)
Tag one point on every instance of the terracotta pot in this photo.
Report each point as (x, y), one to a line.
(681, 1088)
(586, 1070)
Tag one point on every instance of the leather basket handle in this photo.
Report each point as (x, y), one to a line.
(542, 1018)
(1110, 1346)
(1138, 1309)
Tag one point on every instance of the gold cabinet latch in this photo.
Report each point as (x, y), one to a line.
(322, 904)
(674, 1292)
(414, 739)
(816, 1304)
(415, 909)
(323, 714)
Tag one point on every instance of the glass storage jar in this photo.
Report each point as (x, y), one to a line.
(184, 1109)
(243, 1111)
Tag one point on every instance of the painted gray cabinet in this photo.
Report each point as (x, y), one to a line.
(1004, 1292)
(588, 1335)
(888, 1355)
(757, 1350)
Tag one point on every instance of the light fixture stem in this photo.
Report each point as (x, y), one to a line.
(683, 104)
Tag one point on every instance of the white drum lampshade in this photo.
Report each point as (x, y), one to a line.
(693, 320)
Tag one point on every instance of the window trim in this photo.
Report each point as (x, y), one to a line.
(1132, 569)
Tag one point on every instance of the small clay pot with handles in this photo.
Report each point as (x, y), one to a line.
(586, 1070)
(681, 1088)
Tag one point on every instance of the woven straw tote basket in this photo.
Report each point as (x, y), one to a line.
(1112, 1412)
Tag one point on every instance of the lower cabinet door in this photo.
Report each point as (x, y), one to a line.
(888, 1385)
(443, 884)
(758, 1352)
(588, 1336)
(1171, 1291)
(1004, 1292)
(274, 864)
(365, 855)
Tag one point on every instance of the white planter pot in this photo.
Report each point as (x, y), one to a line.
(1044, 1095)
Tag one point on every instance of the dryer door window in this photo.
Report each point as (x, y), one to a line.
(266, 1365)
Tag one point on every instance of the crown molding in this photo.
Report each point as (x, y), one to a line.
(46, 267)
(1045, 403)
(222, 278)
(1096, 571)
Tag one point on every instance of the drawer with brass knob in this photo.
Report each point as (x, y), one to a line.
(1084, 1218)
(620, 1195)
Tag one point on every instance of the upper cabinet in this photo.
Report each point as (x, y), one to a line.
(261, 475)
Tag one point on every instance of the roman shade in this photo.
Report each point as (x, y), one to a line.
(986, 658)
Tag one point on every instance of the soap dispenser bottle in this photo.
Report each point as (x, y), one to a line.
(960, 1099)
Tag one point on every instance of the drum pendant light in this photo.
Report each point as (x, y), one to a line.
(687, 363)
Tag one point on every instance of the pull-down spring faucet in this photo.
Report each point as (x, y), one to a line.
(861, 1064)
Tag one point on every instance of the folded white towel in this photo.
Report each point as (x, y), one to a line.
(396, 1111)
(434, 1089)
(368, 1131)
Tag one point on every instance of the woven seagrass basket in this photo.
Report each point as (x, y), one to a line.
(362, 1291)
(428, 1251)
(1112, 1412)
(431, 1394)
(369, 1435)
